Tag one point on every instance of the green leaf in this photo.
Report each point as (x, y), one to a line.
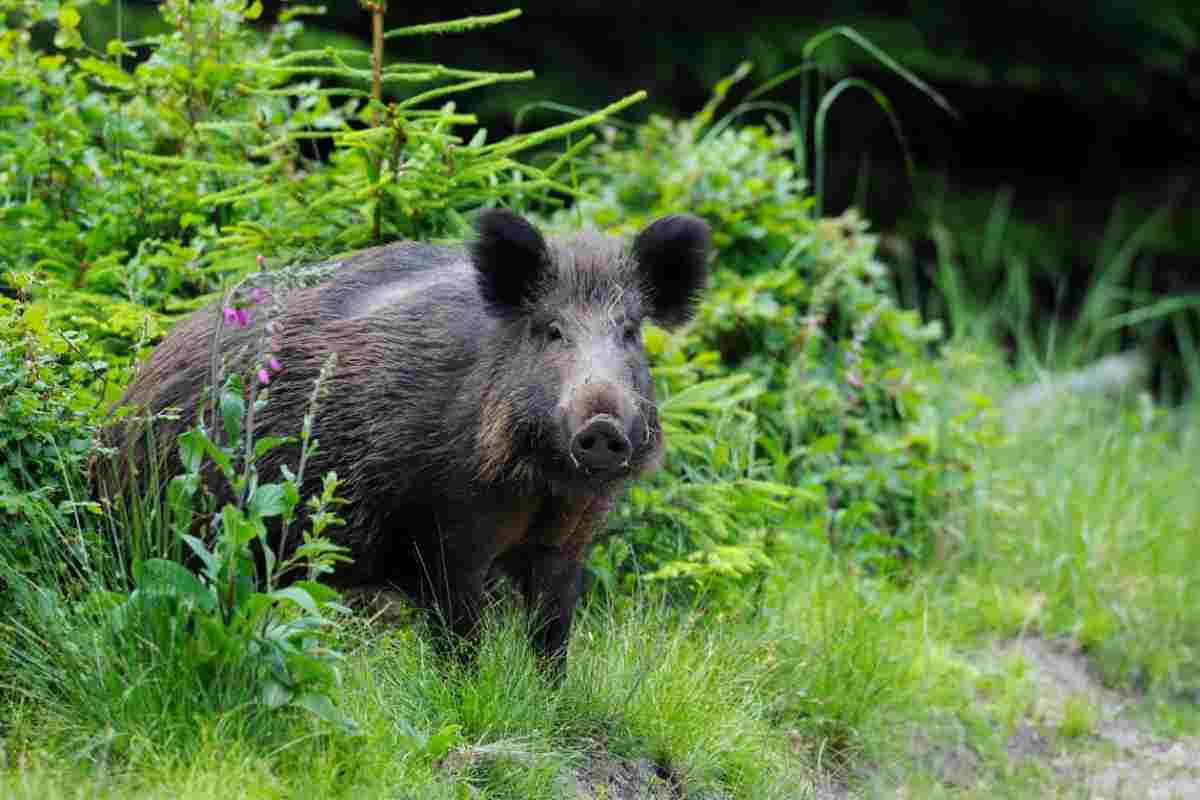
(233, 409)
(68, 17)
(322, 706)
(191, 449)
(232, 524)
(298, 596)
(180, 492)
(116, 47)
(274, 694)
(270, 500)
(158, 576)
(106, 73)
(211, 566)
(102, 601)
(36, 319)
(256, 607)
(268, 443)
(190, 219)
(253, 11)
(655, 340)
(439, 745)
(68, 38)
(321, 593)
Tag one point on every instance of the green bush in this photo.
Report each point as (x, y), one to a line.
(46, 423)
(137, 177)
(127, 635)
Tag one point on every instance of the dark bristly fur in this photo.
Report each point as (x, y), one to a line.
(475, 394)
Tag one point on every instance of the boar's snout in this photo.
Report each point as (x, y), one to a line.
(601, 445)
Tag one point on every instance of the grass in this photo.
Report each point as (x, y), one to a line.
(1084, 531)
(998, 275)
(1091, 524)
(1081, 532)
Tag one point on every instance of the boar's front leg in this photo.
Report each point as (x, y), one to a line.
(453, 563)
(551, 593)
(451, 585)
(549, 570)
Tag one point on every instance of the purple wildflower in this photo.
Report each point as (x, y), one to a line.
(274, 364)
(257, 295)
(243, 318)
(231, 315)
(263, 377)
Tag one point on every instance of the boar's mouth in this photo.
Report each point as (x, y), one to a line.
(602, 451)
(601, 447)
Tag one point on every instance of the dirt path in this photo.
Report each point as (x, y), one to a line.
(1112, 754)
(1123, 758)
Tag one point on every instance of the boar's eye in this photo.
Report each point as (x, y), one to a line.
(631, 330)
(554, 332)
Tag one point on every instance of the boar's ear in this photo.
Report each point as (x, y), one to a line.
(672, 258)
(510, 257)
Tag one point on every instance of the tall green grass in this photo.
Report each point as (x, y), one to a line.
(997, 277)
(1096, 513)
(1082, 531)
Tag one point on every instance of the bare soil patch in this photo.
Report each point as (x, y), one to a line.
(1122, 758)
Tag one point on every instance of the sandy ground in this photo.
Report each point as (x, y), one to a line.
(1118, 758)
(1128, 760)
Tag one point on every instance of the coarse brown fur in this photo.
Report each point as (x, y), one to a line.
(487, 406)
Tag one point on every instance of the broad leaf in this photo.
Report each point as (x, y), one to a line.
(271, 500)
(323, 707)
(162, 577)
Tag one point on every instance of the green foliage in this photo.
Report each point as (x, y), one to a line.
(136, 179)
(142, 175)
(1060, 298)
(808, 404)
(1079, 717)
(229, 614)
(46, 422)
(839, 667)
(815, 432)
(229, 632)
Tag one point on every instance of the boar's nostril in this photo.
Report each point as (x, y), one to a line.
(601, 445)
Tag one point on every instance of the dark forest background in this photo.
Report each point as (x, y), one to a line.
(1076, 133)
(1069, 102)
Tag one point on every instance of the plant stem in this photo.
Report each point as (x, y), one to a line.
(377, 10)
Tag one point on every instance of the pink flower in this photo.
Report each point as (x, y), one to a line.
(231, 315)
(257, 295)
(274, 364)
(243, 318)
(258, 259)
(263, 377)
